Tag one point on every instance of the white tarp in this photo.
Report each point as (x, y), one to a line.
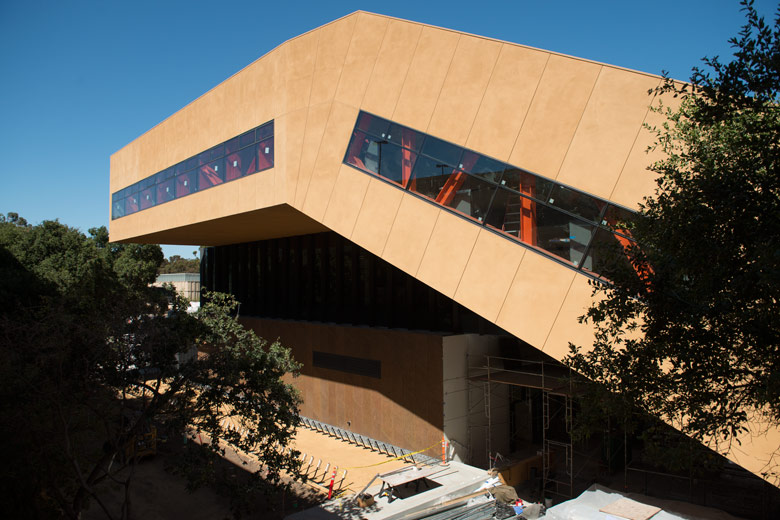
(587, 505)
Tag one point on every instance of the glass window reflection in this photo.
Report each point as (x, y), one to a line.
(211, 174)
(203, 170)
(609, 253)
(618, 219)
(526, 183)
(118, 209)
(468, 195)
(265, 154)
(373, 125)
(562, 235)
(186, 183)
(166, 191)
(442, 151)
(131, 204)
(405, 137)
(147, 198)
(481, 166)
(560, 221)
(430, 177)
(576, 202)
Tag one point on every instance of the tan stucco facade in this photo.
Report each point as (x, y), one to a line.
(564, 118)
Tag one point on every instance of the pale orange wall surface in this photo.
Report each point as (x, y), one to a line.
(424, 80)
(502, 111)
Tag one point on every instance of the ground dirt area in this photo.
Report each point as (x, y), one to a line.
(156, 493)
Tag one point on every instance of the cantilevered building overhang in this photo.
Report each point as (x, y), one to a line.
(487, 170)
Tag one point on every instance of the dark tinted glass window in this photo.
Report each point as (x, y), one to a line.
(217, 152)
(562, 235)
(356, 150)
(147, 198)
(558, 220)
(468, 195)
(164, 175)
(526, 183)
(241, 163)
(264, 131)
(166, 191)
(430, 176)
(180, 168)
(576, 202)
(203, 170)
(365, 152)
(211, 174)
(405, 137)
(374, 125)
(231, 146)
(618, 219)
(395, 163)
(609, 253)
(265, 155)
(118, 209)
(146, 183)
(186, 183)
(442, 151)
(131, 204)
(514, 215)
(246, 139)
(481, 166)
(204, 157)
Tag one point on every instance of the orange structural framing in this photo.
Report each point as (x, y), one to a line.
(451, 187)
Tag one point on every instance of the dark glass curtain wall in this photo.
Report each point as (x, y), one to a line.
(326, 278)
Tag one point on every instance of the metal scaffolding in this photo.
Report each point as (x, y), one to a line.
(555, 382)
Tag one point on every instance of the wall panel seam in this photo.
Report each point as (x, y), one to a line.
(406, 75)
(557, 314)
(308, 105)
(444, 81)
(371, 74)
(425, 249)
(484, 92)
(395, 217)
(360, 209)
(466, 265)
(330, 113)
(579, 122)
(530, 104)
(343, 63)
(509, 288)
(631, 148)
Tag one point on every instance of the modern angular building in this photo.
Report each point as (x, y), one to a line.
(417, 213)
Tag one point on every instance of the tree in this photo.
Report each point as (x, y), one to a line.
(177, 264)
(91, 357)
(695, 339)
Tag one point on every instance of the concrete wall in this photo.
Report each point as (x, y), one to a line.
(466, 424)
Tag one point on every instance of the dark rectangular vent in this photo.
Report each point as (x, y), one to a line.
(352, 365)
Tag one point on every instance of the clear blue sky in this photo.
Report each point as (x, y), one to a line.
(82, 79)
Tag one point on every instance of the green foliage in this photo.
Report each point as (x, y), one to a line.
(88, 359)
(696, 340)
(177, 264)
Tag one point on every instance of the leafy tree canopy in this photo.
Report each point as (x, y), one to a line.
(177, 264)
(91, 357)
(696, 338)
